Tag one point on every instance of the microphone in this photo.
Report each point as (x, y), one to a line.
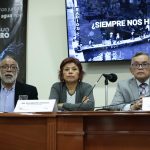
(111, 77)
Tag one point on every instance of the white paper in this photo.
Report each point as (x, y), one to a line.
(146, 103)
(36, 106)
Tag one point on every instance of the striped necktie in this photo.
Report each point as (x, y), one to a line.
(143, 89)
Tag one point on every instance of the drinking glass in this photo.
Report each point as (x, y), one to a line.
(23, 97)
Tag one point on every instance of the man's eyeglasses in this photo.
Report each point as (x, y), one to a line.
(137, 66)
(7, 67)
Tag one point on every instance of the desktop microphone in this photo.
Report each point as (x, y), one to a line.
(111, 77)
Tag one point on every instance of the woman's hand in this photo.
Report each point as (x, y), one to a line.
(60, 105)
(85, 99)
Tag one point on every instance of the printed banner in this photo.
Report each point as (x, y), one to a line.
(13, 26)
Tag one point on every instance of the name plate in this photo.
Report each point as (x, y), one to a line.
(146, 103)
(36, 106)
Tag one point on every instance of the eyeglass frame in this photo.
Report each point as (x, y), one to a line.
(11, 67)
(143, 65)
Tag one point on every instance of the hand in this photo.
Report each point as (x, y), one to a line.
(137, 105)
(85, 99)
(60, 105)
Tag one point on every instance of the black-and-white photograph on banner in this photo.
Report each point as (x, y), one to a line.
(107, 30)
(13, 26)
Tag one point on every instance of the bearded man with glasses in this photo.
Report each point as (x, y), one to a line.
(10, 88)
(129, 93)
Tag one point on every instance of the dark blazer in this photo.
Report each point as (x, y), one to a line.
(24, 89)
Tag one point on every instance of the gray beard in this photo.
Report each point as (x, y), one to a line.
(9, 80)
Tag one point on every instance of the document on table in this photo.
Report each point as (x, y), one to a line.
(146, 103)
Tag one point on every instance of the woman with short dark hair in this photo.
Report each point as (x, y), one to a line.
(71, 93)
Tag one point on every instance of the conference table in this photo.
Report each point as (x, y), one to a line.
(99, 130)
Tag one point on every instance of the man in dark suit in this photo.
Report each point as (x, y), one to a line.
(10, 88)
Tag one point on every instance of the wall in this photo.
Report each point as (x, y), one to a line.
(47, 47)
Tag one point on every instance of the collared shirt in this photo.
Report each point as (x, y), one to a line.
(7, 99)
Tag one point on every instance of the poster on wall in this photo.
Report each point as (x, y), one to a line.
(107, 30)
(13, 26)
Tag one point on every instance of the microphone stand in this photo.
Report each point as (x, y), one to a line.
(106, 91)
